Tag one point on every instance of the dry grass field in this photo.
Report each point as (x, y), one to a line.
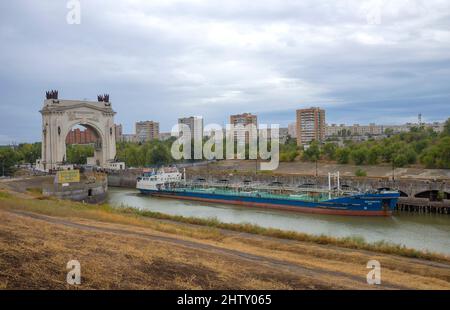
(125, 250)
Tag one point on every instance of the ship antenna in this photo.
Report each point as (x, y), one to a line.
(338, 183)
(329, 185)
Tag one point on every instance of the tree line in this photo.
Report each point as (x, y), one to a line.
(419, 146)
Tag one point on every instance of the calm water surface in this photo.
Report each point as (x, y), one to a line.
(425, 232)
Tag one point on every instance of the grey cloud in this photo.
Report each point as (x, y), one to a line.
(165, 59)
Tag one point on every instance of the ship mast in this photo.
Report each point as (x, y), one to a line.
(336, 178)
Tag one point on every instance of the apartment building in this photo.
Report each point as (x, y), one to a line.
(118, 131)
(310, 125)
(78, 136)
(147, 130)
(195, 124)
(239, 121)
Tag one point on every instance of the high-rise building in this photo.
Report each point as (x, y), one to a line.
(242, 120)
(147, 130)
(310, 125)
(195, 124)
(118, 132)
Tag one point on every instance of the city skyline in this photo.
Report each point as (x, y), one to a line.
(133, 135)
(267, 58)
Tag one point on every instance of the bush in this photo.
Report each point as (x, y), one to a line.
(360, 173)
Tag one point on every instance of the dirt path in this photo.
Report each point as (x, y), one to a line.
(271, 263)
(127, 251)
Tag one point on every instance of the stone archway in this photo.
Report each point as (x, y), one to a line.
(60, 116)
(98, 147)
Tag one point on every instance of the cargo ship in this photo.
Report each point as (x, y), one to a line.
(170, 183)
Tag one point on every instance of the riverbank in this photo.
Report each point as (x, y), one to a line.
(382, 171)
(125, 248)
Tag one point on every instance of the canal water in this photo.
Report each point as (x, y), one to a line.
(420, 231)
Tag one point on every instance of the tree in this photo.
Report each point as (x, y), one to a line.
(389, 150)
(372, 155)
(329, 150)
(288, 156)
(400, 160)
(389, 131)
(410, 155)
(359, 156)
(78, 154)
(446, 131)
(313, 152)
(146, 154)
(343, 155)
(29, 153)
(438, 155)
(159, 155)
(288, 151)
(8, 159)
(420, 145)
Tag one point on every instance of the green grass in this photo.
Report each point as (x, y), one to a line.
(5, 195)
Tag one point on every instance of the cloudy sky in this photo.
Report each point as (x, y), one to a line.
(363, 61)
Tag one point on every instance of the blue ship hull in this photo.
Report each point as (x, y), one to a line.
(370, 204)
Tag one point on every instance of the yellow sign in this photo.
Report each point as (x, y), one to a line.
(68, 176)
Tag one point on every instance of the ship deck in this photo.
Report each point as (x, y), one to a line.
(309, 196)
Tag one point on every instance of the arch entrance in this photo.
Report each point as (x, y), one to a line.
(84, 145)
(60, 116)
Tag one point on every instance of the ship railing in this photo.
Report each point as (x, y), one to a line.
(241, 186)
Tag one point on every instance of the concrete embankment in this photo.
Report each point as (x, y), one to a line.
(125, 178)
(89, 192)
(90, 189)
